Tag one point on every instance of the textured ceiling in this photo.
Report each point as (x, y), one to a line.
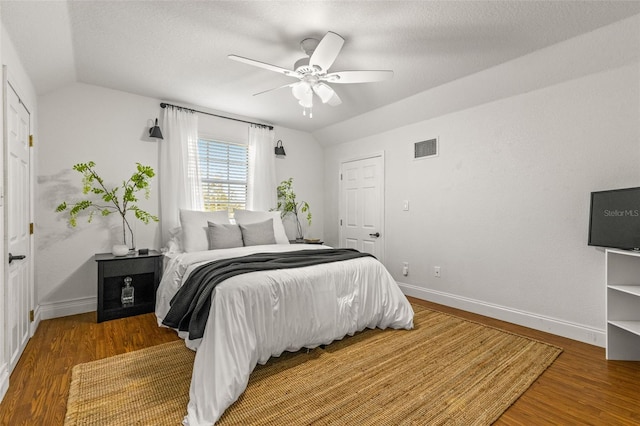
(177, 50)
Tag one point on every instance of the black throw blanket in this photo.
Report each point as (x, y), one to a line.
(191, 304)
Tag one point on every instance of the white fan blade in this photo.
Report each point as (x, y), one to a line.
(370, 76)
(327, 94)
(327, 51)
(264, 65)
(276, 88)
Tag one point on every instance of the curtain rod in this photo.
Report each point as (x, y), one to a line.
(164, 105)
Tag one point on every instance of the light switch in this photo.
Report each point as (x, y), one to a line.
(405, 205)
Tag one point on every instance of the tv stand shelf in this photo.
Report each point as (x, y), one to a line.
(630, 326)
(623, 304)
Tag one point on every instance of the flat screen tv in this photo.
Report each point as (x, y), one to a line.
(615, 219)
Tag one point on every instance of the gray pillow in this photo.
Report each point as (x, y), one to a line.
(224, 235)
(255, 234)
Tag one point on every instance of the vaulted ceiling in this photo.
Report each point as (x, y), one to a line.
(177, 50)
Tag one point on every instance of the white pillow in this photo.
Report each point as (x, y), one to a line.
(245, 217)
(195, 228)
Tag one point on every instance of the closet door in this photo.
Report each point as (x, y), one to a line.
(362, 205)
(17, 190)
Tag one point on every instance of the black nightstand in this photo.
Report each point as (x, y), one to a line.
(145, 271)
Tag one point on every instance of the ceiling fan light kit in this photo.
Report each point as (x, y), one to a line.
(312, 71)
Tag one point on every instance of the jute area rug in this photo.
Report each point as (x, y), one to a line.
(446, 371)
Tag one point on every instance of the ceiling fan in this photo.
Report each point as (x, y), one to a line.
(313, 72)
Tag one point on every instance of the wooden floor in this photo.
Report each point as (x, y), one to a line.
(581, 387)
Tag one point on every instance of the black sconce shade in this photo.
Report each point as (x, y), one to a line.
(155, 132)
(279, 149)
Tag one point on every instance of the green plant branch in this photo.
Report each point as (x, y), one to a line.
(288, 205)
(94, 184)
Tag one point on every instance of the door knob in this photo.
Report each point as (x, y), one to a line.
(377, 234)
(18, 257)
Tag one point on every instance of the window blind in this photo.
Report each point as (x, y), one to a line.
(223, 174)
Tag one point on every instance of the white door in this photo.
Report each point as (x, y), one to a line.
(362, 205)
(18, 294)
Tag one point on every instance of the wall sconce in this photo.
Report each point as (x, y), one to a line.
(155, 132)
(279, 149)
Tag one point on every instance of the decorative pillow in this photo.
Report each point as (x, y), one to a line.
(195, 228)
(245, 217)
(224, 235)
(256, 234)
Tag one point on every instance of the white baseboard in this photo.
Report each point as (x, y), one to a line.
(4, 381)
(555, 326)
(67, 307)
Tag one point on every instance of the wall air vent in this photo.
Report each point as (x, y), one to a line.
(425, 149)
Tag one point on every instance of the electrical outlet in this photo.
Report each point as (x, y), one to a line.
(436, 271)
(405, 268)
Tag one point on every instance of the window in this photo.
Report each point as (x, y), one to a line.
(223, 174)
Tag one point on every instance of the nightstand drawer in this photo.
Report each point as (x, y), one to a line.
(129, 267)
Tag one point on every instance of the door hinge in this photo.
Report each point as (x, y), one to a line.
(31, 229)
(340, 176)
(30, 140)
(340, 222)
(31, 316)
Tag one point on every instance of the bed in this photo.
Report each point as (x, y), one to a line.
(257, 315)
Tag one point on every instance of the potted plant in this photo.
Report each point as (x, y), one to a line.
(288, 205)
(120, 199)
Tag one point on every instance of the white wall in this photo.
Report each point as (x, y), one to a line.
(504, 209)
(82, 122)
(304, 163)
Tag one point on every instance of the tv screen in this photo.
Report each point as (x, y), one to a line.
(615, 219)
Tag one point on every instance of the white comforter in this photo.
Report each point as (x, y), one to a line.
(258, 315)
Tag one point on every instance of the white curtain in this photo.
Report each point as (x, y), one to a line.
(261, 178)
(180, 186)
